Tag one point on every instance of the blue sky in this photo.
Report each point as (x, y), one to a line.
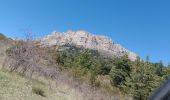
(142, 26)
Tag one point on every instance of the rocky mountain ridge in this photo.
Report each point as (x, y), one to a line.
(87, 40)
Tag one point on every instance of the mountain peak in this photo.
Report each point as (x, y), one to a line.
(85, 39)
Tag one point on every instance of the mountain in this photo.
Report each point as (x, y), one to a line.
(84, 39)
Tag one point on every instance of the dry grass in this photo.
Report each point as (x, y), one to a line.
(15, 87)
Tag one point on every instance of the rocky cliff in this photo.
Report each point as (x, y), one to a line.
(87, 40)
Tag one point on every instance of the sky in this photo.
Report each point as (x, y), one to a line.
(142, 26)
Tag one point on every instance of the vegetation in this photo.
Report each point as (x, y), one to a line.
(138, 79)
(83, 62)
(33, 61)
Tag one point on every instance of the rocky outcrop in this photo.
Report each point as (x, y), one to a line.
(87, 40)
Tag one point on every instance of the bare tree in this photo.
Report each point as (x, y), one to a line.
(27, 58)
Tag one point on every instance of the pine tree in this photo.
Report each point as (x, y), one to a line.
(121, 70)
(143, 80)
(147, 59)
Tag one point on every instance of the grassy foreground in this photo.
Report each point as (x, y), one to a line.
(15, 87)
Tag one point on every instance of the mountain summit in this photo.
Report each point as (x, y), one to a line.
(87, 40)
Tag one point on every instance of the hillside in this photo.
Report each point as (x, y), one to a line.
(57, 69)
(16, 87)
(19, 85)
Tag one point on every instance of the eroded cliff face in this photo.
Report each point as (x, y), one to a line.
(88, 40)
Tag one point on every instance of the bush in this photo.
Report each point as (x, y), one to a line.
(38, 90)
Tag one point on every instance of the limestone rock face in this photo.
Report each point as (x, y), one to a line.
(88, 40)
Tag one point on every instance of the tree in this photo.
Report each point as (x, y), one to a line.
(105, 65)
(120, 71)
(159, 68)
(147, 59)
(136, 78)
(27, 57)
(143, 80)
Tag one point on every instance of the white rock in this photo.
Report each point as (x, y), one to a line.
(88, 40)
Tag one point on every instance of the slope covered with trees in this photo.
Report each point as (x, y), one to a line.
(138, 79)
